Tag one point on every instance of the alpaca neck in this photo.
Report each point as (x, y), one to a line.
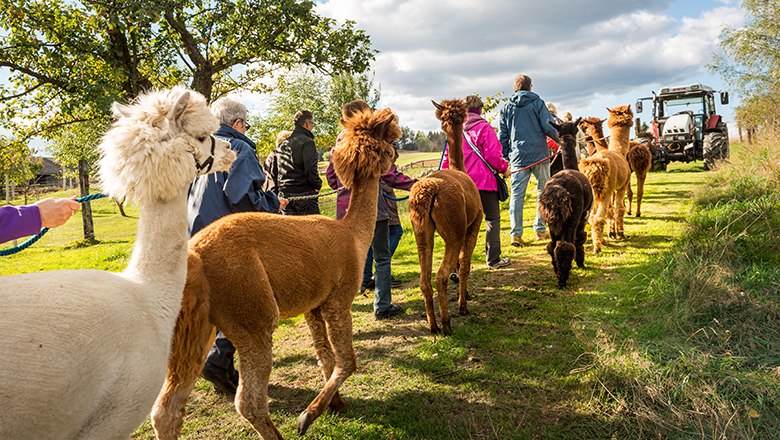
(455, 142)
(597, 133)
(619, 139)
(160, 253)
(361, 213)
(569, 152)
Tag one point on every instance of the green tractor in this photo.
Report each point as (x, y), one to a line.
(686, 127)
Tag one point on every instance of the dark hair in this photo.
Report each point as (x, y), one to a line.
(474, 103)
(353, 107)
(522, 82)
(302, 117)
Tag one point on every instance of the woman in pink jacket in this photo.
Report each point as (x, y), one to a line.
(484, 137)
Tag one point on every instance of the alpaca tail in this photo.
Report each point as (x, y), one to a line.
(555, 206)
(596, 169)
(193, 333)
(639, 157)
(421, 199)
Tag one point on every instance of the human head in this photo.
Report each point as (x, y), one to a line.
(304, 119)
(551, 108)
(474, 104)
(567, 117)
(353, 107)
(284, 134)
(231, 112)
(522, 82)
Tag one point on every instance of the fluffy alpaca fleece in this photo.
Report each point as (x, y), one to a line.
(249, 270)
(446, 201)
(593, 128)
(639, 157)
(84, 351)
(564, 204)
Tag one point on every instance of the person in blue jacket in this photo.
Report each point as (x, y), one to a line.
(216, 195)
(523, 130)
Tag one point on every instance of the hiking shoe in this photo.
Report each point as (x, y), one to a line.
(502, 262)
(389, 312)
(395, 282)
(221, 378)
(454, 277)
(544, 235)
(517, 241)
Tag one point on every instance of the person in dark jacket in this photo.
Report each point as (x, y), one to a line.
(297, 171)
(216, 195)
(523, 130)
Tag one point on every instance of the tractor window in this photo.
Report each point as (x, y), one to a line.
(693, 105)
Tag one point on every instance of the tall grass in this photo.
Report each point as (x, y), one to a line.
(704, 361)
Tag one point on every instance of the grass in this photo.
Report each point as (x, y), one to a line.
(653, 339)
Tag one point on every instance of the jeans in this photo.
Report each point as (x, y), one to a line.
(395, 233)
(517, 198)
(380, 245)
(492, 226)
(303, 207)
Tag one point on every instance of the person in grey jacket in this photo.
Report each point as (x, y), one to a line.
(523, 130)
(297, 173)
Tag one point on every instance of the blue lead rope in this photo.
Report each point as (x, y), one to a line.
(30, 241)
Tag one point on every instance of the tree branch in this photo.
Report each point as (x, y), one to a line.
(39, 76)
(187, 39)
(26, 92)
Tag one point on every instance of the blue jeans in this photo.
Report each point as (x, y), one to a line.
(380, 245)
(517, 198)
(395, 233)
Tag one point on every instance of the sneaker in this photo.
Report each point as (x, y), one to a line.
(544, 235)
(221, 378)
(395, 282)
(389, 312)
(502, 262)
(454, 277)
(517, 241)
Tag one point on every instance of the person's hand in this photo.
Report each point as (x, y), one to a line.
(55, 211)
(507, 173)
(283, 203)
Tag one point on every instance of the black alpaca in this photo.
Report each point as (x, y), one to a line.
(564, 204)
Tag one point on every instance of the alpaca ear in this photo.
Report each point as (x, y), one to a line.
(436, 104)
(577, 122)
(178, 110)
(609, 110)
(554, 125)
(603, 120)
(120, 110)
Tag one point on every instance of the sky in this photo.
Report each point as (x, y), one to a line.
(582, 56)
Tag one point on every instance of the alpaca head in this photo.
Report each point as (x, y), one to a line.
(567, 128)
(451, 113)
(592, 125)
(159, 144)
(620, 116)
(366, 150)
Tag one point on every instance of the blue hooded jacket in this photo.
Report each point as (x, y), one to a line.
(216, 195)
(523, 129)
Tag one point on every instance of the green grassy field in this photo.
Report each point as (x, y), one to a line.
(610, 357)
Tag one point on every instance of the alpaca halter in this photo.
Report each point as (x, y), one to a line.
(210, 161)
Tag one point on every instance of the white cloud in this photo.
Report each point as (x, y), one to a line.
(582, 55)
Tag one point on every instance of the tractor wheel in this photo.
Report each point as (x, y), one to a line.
(715, 149)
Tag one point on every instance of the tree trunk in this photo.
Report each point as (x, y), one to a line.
(121, 205)
(86, 208)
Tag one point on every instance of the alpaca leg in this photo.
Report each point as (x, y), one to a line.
(597, 225)
(423, 234)
(338, 318)
(451, 251)
(324, 352)
(630, 195)
(609, 215)
(464, 266)
(564, 254)
(640, 190)
(579, 241)
(620, 212)
(551, 250)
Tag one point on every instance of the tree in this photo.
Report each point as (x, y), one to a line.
(18, 165)
(751, 62)
(322, 95)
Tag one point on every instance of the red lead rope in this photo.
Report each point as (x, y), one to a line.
(535, 163)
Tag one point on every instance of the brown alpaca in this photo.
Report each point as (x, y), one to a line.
(249, 270)
(608, 173)
(446, 201)
(593, 128)
(564, 204)
(638, 156)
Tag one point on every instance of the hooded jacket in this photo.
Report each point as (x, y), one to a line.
(482, 135)
(523, 129)
(216, 195)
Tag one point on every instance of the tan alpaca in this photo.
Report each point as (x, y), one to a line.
(593, 128)
(638, 156)
(249, 270)
(608, 173)
(446, 201)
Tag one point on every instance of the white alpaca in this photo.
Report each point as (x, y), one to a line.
(83, 353)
